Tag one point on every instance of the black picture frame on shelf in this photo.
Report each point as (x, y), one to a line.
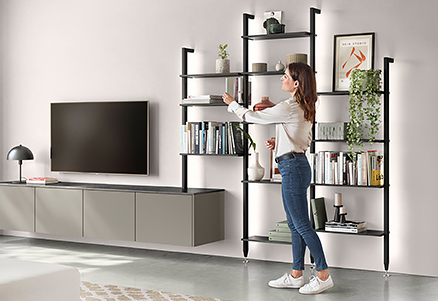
(351, 51)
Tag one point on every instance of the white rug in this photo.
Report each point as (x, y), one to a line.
(94, 292)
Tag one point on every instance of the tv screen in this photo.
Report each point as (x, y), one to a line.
(100, 137)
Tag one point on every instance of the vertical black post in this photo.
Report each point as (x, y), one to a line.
(184, 89)
(313, 12)
(245, 192)
(386, 62)
(312, 50)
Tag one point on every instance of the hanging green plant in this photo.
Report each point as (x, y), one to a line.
(364, 108)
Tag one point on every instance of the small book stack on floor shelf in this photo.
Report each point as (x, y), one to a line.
(281, 232)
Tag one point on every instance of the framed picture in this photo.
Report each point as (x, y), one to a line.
(351, 51)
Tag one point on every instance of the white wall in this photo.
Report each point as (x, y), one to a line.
(73, 50)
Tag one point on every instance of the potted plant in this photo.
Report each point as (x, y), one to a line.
(255, 170)
(222, 62)
(364, 108)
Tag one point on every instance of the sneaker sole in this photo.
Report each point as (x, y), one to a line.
(318, 292)
(277, 286)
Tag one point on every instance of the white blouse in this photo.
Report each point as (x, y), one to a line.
(293, 133)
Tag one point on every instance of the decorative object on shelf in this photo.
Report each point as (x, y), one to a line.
(263, 104)
(272, 17)
(319, 213)
(255, 171)
(364, 107)
(342, 214)
(296, 58)
(276, 28)
(351, 51)
(259, 67)
(338, 207)
(279, 66)
(222, 62)
(20, 153)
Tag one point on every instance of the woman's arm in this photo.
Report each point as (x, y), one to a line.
(277, 114)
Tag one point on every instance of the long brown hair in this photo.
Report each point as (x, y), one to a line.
(306, 94)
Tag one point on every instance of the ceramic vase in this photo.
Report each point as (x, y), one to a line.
(255, 170)
(222, 66)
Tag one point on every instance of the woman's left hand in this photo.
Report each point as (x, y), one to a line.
(227, 98)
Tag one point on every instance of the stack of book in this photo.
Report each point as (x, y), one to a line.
(332, 131)
(42, 180)
(347, 227)
(210, 137)
(202, 99)
(340, 168)
(281, 232)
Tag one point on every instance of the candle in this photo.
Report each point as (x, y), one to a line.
(343, 210)
(338, 199)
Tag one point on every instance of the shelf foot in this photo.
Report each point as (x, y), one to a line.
(386, 275)
(313, 269)
(245, 261)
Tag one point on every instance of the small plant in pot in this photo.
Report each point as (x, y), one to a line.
(364, 108)
(222, 62)
(255, 171)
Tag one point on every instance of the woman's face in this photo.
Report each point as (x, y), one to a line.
(289, 84)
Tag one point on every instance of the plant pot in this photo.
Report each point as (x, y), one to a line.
(222, 66)
(255, 170)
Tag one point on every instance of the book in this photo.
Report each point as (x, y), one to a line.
(319, 213)
(202, 99)
(377, 171)
(347, 227)
(275, 235)
(42, 180)
(282, 226)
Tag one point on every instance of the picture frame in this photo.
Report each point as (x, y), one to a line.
(351, 51)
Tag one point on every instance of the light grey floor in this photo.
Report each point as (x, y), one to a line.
(210, 276)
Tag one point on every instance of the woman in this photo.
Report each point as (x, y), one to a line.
(293, 118)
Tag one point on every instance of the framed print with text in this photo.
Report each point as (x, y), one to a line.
(351, 51)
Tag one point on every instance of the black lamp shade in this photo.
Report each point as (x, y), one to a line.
(20, 153)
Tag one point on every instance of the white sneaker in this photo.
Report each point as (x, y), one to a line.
(287, 281)
(316, 286)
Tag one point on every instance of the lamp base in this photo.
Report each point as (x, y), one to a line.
(17, 182)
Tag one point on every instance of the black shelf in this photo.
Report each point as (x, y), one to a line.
(219, 104)
(265, 73)
(212, 75)
(377, 233)
(262, 182)
(337, 93)
(220, 155)
(265, 239)
(351, 186)
(278, 36)
(345, 141)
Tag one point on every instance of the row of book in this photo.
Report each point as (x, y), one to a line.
(342, 168)
(211, 137)
(332, 131)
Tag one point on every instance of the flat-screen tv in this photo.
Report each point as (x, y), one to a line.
(110, 137)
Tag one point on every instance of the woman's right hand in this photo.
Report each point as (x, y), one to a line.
(270, 144)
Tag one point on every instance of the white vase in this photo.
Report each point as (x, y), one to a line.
(222, 66)
(255, 170)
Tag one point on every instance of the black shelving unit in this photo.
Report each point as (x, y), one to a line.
(245, 74)
(385, 141)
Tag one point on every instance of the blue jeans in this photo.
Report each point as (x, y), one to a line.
(295, 174)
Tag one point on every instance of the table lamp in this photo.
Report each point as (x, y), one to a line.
(20, 153)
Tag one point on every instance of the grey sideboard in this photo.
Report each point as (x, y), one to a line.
(152, 214)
